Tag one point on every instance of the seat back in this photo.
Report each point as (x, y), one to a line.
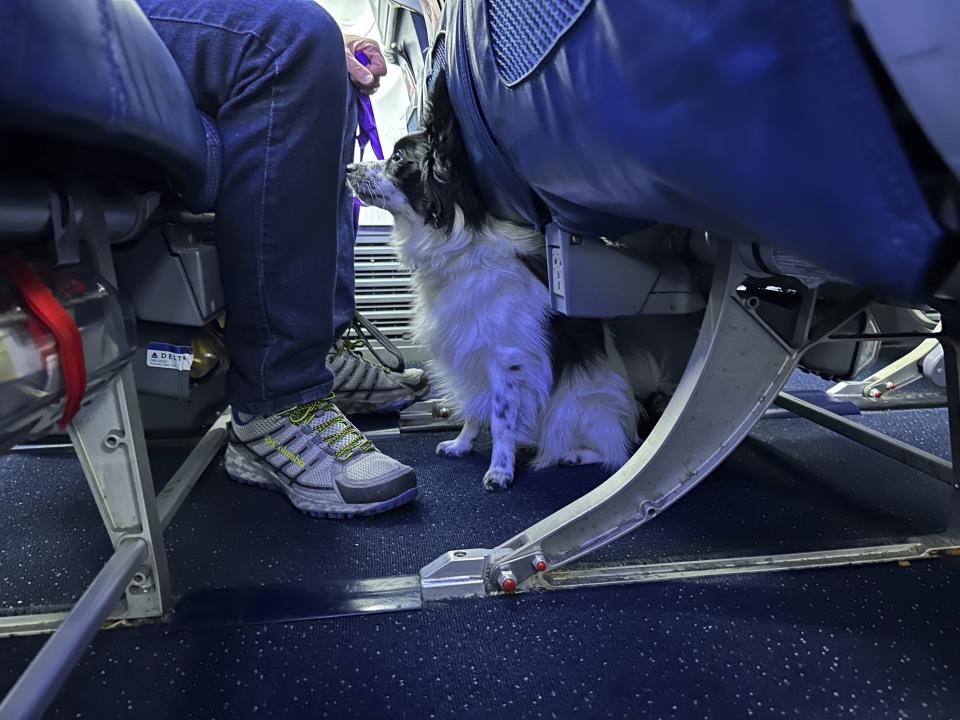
(755, 119)
(95, 73)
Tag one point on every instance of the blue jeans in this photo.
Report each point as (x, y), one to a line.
(273, 76)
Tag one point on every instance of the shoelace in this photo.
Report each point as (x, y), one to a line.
(310, 411)
(352, 346)
(362, 327)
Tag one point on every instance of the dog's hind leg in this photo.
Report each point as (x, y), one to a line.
(581, 456)
(463, 443)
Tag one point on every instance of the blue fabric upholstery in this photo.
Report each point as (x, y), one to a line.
(95, 72)
(752, 118)
(522, 33)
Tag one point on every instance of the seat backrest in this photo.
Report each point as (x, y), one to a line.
(94, 72)
(756, 119)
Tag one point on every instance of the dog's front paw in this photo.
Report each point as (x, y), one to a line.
(497, 479)
(452, 448)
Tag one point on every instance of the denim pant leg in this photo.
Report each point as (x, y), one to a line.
(344, 301)
(273, 76)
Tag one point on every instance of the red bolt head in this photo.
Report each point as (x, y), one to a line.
(876, 392)
(540, 565)
(508, 585)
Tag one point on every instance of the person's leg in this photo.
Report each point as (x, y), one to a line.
(344, 301)
(273, 77)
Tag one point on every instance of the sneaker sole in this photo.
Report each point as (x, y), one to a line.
(244, 467)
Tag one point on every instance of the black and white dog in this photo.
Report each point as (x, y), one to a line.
(504, 359)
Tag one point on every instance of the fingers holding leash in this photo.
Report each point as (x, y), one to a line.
(366, 78)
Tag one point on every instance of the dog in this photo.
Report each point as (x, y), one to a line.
(505, 360)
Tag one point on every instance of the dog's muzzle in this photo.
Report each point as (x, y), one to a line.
(368, 182)
(353, 176)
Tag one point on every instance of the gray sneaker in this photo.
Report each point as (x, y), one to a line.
(320, 461)
(362, 386)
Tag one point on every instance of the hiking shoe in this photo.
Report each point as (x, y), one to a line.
(319, 460)
(362, 386)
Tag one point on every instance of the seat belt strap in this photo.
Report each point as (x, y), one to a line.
(42, 304)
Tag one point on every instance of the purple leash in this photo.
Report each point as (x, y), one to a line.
(366, 134)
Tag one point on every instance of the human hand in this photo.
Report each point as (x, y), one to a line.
(367, 79)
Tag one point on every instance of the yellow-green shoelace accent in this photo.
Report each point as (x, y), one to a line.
(353, 346)
(308, 411)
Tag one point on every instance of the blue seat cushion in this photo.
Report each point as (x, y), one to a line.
(95, 72)
(755, 119)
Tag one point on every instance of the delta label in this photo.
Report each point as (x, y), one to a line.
(169, 357)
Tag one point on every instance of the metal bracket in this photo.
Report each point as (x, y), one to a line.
(456, 574)
(428, 416)
(933, 367)
(737, 367)
(897, 375)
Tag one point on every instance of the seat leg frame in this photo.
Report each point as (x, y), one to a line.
(108, 437)
(736, 371)
(109, 440)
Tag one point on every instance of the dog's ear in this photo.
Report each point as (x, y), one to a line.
(438, 114)
(448, 179)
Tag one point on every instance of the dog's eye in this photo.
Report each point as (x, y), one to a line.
(397, 156)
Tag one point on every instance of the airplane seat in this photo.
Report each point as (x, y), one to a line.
(751, 119)
(102, 148)
(97, 74)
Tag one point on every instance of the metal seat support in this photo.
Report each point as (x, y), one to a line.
(925, 360)
(108, 437)
(737, 368)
